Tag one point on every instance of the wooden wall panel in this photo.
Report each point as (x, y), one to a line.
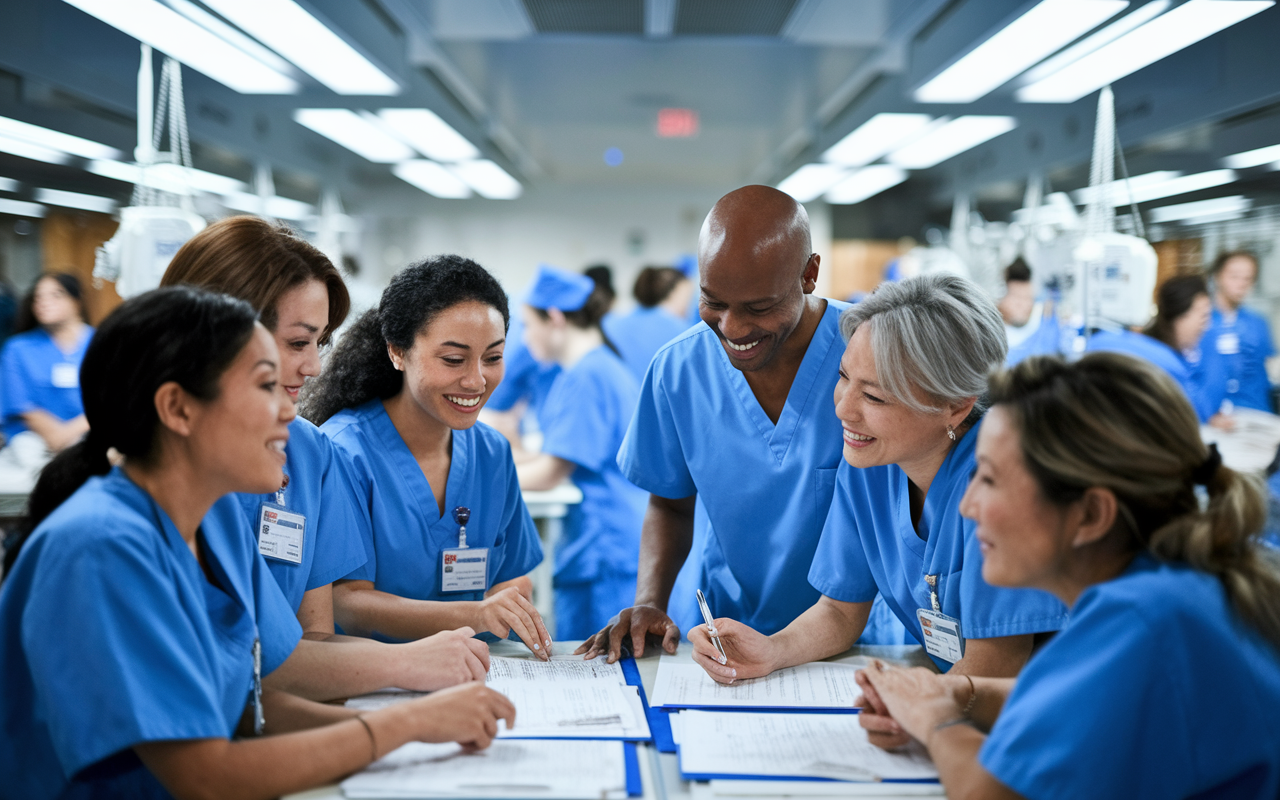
(68, 240)
(857, 265)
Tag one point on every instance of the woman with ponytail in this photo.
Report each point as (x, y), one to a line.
(133, 639)
(451, 540)
(584, 420)
(310, 529)
(1166, 680)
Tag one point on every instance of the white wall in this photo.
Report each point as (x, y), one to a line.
(564, 227)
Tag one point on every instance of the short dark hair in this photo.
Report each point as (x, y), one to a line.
(1017, 271)
(1223, 258)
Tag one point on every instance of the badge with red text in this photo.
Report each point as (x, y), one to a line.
(465, 569)
(280, 533)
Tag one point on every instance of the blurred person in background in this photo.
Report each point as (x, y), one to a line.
(1238, 343)
(1030, 325)
(663, 296)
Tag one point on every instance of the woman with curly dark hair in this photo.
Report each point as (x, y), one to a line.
(452, 543)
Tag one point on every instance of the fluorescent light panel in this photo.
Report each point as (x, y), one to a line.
(56, 140)
(169, 32)
(1154, 186)
(231, 34)
(21, 208)
(1253, 158)
(1049, 26)
(8, 185)
(1235, 205)
(35, 152)
(1077, 51)
(488, 179)
(296, 34)
(432, 178)
(875, 137)
(359, 134)
(865, 183)
(87, 202)
(167, 177)
(273, 206)
(950, 139)
(429, 135)
(810, 181)
(1147, 44)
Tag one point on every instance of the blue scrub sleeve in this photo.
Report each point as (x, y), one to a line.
(1103, 703)
(840, 569)
(518, 380)
(345, 441)
(651, 455)
(517, 548)
(577, 422)
(278, 626)
(113, 655)
(988, 611)
(15, 388)
(343, 523)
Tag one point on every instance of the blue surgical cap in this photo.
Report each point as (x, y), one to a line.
(688, 264)
(556, 288)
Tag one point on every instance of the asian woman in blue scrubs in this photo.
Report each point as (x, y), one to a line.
(132, 638)
(311, 530)
(1166, 680)
(452, 542)
(910, 401)
(663, 296)
(584, 420)
(1172, 340)
(40, 365)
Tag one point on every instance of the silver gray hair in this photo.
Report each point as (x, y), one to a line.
(939, 334)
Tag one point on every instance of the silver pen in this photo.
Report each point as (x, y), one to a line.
(711, 628)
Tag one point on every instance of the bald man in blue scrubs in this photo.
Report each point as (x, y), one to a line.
(736, 420)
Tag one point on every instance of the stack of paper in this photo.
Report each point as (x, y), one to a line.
(558, 699)
(819, 685)
(718, 744)
(521, 769)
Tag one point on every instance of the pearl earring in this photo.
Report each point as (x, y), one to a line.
(951, 433)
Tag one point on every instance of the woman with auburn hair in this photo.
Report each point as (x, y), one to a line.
(310, 530)
(1166, 680)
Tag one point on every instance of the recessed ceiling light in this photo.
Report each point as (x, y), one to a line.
(866, 182)
(811, 180)
(875, 137)
(949, 140)
(488, 179)
(432, 178)
(429, 135)
(359, 134)
(85, 202)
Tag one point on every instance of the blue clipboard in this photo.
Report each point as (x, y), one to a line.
(699, 776)
(631, 757)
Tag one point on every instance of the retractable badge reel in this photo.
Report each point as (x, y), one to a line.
(464, 568)
(281, 531)
(942, 636)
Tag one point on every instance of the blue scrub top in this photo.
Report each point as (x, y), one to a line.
(524, 378)
(766, 488)
(1154, 689)
(869, 546)
(1235, 353)
(1189, 373)
(408, 532)
(640, 334)
(110, 636)
(322, 489)
(1045, 340)
(26, 378)
(584, 421)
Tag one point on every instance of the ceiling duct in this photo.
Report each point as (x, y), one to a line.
(586, 16)
(732, 17)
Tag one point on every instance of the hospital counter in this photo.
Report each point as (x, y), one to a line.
(660, 772)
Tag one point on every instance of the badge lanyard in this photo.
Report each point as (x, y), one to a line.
(259, 719)
(281, 533)
(942, 635)
(464, 568)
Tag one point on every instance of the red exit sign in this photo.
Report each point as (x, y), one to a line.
(677, 123)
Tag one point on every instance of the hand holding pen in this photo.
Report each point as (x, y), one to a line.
(730, 651)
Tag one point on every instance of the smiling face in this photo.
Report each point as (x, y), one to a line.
(1024, 537)
(455, 363)
(1190, 327)
(240, 435)
(302, 314)
(879, 429)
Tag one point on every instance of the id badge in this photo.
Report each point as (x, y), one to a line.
(1228, 344)
(464, 569)
(942, 637)
(65, 376)
(280, 533)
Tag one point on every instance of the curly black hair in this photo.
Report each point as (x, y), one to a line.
(359, 369)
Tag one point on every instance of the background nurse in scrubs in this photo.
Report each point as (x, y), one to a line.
(40, 365)
(663, 295)
(401, 394)
(584, 420)
(129, 633)
(910, 401)
(301, 299)
(1238, 343)
(1166, 681)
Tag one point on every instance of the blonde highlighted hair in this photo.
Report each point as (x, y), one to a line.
(1110, 420)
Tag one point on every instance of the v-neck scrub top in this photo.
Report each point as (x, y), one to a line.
(869, 546)
(111, 636)
(1190, 375)
(28, 381)
(766, 488)
(407, 531)
(1155, 689)
(322, 489)
(1235, 352)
